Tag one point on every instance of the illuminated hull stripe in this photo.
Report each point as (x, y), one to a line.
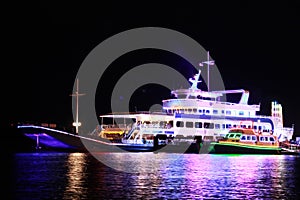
(261, 147)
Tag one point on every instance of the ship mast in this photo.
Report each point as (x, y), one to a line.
(208, 62)
(77, 94)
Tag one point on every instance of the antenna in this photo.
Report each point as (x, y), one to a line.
(76, 94)
(208, 62)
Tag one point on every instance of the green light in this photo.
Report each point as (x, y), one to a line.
(226, 155)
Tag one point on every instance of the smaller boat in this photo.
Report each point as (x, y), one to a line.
(290, 148)
(142, 132)
(246, 141)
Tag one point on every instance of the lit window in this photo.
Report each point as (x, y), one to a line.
(228, 112)
(179, 124)
(198, 124)
(208, 125)
(189, 124)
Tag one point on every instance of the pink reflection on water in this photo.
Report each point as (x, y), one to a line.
(231, 176)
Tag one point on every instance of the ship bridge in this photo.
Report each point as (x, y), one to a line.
(192, 100)
(195, 100)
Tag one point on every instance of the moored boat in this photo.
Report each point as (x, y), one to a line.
(246, 141)
(290, 148)
(143, 131)
(195, 117)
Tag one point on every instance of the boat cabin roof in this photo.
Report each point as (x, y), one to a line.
(144, 116)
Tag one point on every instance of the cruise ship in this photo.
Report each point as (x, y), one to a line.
(194, 115)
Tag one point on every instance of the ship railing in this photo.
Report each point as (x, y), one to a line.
(287, 130)
(155, 126)
(204, 100)
(262, 116)
(120, 126)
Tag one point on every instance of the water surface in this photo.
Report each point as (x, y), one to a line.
(52, 175)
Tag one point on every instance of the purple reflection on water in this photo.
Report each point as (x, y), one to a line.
(229, 176)
(160, 176)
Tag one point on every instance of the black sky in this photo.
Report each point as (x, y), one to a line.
(254, 44)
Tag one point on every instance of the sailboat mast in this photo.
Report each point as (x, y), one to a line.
(77, 93)
(77, 123)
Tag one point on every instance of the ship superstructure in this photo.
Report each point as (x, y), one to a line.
(194, 113)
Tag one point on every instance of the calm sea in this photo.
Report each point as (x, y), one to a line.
(54, 175)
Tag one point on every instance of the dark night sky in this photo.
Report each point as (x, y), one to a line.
(254, 44)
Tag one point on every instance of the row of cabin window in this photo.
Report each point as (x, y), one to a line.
(253, 138)
(204, 111)
(216, 126)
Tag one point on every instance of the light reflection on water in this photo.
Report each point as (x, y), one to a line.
(156, 176)
(75, 175)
